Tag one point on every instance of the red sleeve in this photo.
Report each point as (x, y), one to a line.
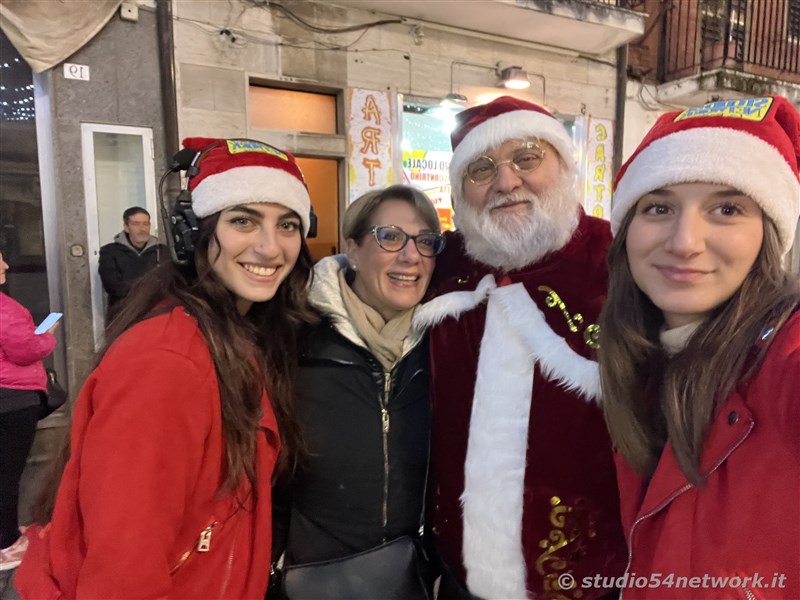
(787, 400)
(21, 346)
(140, 458)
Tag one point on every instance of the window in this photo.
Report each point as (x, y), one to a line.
(290, 110)
(427, 154)
(793, 20)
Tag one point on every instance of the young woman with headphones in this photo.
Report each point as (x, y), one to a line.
(177, 431)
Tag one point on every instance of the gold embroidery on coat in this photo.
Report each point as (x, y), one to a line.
(591, 336)
(569, 524)
(553, 300)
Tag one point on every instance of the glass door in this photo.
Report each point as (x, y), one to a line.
(118, 173)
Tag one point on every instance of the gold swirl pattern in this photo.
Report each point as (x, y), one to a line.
(571, 525)
(591, 333)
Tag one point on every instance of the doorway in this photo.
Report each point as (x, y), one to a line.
(322, 178)
(118, 173)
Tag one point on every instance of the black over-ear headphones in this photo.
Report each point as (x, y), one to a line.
(182, 222)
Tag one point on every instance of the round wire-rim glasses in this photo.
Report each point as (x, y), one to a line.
(393, 239)
(526, 159)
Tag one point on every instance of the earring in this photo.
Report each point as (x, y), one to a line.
(354, 267)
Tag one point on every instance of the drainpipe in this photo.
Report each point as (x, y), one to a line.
(619, 109)
(166, 63)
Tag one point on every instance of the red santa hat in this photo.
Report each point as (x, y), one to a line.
(482, 127)
(243, 172)
(751, 145)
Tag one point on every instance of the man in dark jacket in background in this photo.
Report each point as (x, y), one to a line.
(132, 253)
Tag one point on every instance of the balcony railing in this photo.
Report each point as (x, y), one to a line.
(630, 4)
(761, 37)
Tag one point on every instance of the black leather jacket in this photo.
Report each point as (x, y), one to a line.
(367, 433)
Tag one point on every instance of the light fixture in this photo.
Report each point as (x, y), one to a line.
(514, 78)
(453, 100)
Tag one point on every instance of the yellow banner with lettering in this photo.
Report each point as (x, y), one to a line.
(239, 146)
(752, 109)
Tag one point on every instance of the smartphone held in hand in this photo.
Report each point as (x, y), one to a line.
(49, 321)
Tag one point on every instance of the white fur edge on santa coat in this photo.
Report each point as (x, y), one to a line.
(516, 338)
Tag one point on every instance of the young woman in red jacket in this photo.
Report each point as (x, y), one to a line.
(177, 431)
(700, 354)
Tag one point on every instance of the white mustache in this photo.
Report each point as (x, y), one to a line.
(512, 198)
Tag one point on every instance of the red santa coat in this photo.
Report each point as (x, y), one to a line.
(523, 483)
(138, 512)
(745, 521)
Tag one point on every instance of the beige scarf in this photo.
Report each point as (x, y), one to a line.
(383, 338)
(676, 339)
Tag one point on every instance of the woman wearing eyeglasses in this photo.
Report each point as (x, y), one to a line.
(362, 403)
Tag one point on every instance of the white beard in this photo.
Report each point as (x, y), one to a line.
(515, 240)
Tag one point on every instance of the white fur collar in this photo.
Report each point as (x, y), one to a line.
(325, 295)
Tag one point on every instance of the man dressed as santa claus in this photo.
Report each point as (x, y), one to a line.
(523, 499)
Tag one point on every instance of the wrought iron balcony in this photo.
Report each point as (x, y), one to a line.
(756, 37)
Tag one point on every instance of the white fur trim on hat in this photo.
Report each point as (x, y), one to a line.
(250, 185)
(516, 124)
(705, 155)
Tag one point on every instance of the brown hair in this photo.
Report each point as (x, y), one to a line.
(361, 210)
(649, 397)
(267, 333)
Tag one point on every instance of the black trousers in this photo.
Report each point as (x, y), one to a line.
(17, 430)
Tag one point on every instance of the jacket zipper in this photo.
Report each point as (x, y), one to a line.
(387, 388)
(672, 497)
(203, 544)
(229, 567)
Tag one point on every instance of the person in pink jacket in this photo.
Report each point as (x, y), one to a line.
(700, 354)
(23, 381)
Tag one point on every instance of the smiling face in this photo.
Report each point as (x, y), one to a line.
(256, 247)
(391, 282)
(506, 194)
(517, 218)
(690, 247)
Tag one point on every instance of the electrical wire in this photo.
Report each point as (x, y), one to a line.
(303, 23)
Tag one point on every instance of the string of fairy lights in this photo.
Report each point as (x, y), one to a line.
(16, 91)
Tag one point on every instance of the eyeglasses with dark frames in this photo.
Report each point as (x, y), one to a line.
(393, 239)
(526, 159)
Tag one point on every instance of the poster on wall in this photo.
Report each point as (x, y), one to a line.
(598, 156)
(429, 171)
(369, 140)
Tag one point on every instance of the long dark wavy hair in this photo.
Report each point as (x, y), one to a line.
(250, 353)
(650, 397)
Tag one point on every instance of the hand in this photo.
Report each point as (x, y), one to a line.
(52, 330)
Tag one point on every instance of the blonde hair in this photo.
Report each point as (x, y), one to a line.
(358, 214)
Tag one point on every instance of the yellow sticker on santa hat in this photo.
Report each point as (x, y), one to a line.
(239, 146)
(751, 109)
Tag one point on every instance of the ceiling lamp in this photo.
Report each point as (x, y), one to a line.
(453, 100)
(514, 78)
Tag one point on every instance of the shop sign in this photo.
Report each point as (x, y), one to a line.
(599, 156)
(369, 140)
(429, 171)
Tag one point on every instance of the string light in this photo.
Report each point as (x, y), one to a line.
(16, 101)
